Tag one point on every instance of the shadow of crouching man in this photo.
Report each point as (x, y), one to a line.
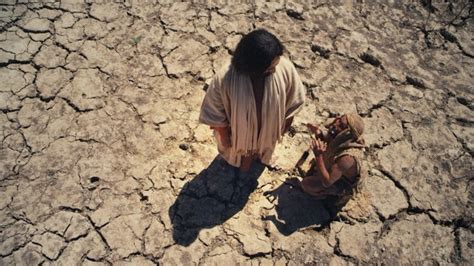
(209, 199)
(295, 210)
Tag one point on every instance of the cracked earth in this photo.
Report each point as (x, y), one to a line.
(103, 160)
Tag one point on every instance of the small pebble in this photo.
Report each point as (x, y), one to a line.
(184, 146)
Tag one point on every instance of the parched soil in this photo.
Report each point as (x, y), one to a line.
(103, 161)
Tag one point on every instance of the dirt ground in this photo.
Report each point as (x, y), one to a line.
(103, 161)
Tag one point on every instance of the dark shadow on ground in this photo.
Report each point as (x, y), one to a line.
(296, 209)
(209, 199)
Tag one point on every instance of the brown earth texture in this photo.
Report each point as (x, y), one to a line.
(103, 160)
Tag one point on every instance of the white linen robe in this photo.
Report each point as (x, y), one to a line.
(230, 102)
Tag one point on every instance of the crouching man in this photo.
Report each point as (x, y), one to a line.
(338, 150)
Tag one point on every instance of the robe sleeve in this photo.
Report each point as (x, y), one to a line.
(295, 94)
(212, 108)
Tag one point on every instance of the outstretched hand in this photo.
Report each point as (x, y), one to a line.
(318, 146)
(314, 129)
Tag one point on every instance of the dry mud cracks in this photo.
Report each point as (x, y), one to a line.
(103, 161)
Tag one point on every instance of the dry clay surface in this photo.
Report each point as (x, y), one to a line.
(102, 159)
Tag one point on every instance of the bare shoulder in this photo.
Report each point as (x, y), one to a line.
(345, 162)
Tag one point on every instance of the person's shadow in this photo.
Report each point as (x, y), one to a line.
(212, 197)
(297, 210)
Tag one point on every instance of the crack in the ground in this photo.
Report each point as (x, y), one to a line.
(463, 142)
(97, 230)
(296, 17)
(15, 249)
(397, 184)
(338, 252)
(77, 108)
(134, 109)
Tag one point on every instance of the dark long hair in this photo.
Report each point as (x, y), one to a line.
(256, 51)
